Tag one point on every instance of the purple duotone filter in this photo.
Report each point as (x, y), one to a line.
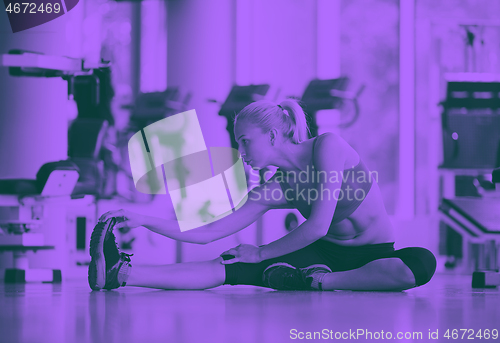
(419, 64)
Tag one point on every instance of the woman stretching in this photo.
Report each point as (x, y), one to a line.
(346, 243)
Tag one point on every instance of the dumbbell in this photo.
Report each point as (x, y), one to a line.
(485, 279)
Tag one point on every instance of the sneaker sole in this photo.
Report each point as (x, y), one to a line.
(277, 264)
(97, 266)
(316, 266)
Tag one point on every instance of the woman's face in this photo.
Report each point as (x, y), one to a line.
(254, 146)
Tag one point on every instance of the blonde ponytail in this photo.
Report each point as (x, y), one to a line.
(299, 130)
(288, 116)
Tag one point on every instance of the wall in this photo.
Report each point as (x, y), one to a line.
(370, 56)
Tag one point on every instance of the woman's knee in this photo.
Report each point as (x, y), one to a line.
(420, 261)
(215, 269)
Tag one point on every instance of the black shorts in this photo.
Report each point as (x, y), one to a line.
(339, 258)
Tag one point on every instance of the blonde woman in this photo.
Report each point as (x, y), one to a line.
(346, 242)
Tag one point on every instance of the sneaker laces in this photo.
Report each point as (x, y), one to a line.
(125, 256)
(123, 271)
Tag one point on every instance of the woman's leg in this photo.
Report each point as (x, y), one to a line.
(209, 274)
(383, 274)
(387, 274)
(189, 275)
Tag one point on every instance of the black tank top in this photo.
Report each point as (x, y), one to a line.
(356, 183)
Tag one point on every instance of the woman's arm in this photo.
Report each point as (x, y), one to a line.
(166, 227)
(305, 234)
(256, 205)
(170, 228)
(205, 234)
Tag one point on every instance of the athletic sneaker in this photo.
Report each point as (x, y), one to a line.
(313, 274)
(117, 274)
(108, 268)
(283, 276)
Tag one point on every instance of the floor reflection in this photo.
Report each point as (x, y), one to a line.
(70, 312)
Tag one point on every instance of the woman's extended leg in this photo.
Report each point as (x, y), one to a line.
(387, 274)
(188, 275)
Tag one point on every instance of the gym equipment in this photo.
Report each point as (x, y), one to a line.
(93, 94)
(35, 64)
(485, 279)
(21, 212)
(471, 142)
(85, 139)
(495, 178)
(90, 136)
(489, 278)
(476, 225)
(238, 98)
(151, 107)
(330, 94)
(90, 146)
(471, 124)
(89, 84)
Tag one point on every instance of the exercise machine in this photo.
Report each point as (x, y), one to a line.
(89, 85)
(470, 120)
(471, 124)
(476, 222)
(22, 207)
(331, 94)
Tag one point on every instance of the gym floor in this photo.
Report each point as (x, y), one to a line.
(70, 312)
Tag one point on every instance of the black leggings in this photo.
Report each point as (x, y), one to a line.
(339, 258)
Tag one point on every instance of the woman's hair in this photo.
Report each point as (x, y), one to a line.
(288, 116)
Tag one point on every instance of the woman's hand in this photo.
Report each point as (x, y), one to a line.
(246, 253)
(124, 218)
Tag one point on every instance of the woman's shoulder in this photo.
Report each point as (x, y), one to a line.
(328, 141)
(331, 136)
(330, 144)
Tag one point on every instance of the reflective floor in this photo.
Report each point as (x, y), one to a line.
(70, 312)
